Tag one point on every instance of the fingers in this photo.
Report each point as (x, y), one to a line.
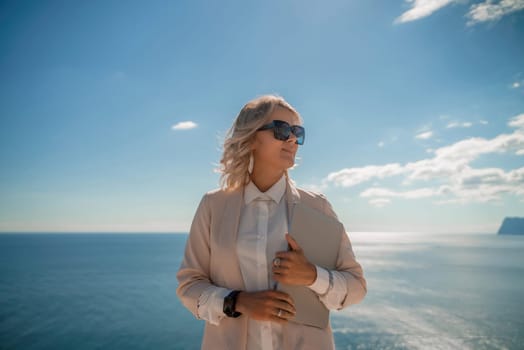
(277, 319)
(283, 269)
(286, 309)
(292, 243)
(286, 262)
(270, 305)
(283, 312)
(284, 277)
(282, 301)
(282, 297)
(286, 255)
(279, 315)
(294, 270)
(282, 316)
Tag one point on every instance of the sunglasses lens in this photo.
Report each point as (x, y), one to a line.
(282, 130)
(300, 133)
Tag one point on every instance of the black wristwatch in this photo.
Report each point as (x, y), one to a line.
(230, 303)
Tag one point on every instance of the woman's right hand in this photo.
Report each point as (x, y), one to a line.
(265, 305)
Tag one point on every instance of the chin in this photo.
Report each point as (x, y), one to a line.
(289, 165)
(285, 163)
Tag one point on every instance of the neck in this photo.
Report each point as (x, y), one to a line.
(265, 179)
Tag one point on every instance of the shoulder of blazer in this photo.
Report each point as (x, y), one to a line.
(313, 196)
(218, 198)
(318, 201)
(220, 194)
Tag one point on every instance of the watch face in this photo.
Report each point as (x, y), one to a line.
(229, 305)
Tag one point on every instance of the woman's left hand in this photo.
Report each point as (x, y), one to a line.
(292, 267)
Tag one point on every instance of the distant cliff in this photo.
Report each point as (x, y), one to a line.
(512, 226)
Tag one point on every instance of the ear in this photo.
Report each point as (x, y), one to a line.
(252, 144)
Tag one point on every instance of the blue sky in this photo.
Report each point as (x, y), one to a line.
(414, 110)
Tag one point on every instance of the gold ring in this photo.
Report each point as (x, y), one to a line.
(279, 313)
(276, 262)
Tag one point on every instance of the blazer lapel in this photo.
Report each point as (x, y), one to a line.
(229, 233)
(292, 197)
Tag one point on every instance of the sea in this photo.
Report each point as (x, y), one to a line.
(117, 291)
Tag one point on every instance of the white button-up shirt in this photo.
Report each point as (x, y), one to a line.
(261, 234)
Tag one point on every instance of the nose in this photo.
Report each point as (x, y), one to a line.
(292, 138)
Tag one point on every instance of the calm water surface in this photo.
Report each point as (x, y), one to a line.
(117, 291)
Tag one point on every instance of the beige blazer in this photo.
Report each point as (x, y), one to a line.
(210, 259)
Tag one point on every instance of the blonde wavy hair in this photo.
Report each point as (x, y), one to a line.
(237, 145)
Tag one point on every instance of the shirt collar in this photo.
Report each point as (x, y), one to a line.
(275, 193)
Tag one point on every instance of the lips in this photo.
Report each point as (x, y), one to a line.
(288, 153)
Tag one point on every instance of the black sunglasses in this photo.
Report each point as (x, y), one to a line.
(282, 130)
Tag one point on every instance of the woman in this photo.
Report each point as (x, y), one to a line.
(237, 248)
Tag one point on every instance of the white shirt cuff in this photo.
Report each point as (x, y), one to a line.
(211, 304)
(321, 284)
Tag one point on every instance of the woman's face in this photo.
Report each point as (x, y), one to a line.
(270, 153)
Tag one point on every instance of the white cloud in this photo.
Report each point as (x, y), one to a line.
(491, 11)
(488, 10)
(380, 144)
(483, 122)
(354, 176)
(494, 176)
(518, 81)
(425, 135)
(450, 167)
(379, 202)
(421, 8)
(412, 194)
(517, 121)
(184, 125)
(452, 159)
(485, 185)
(459, 125)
